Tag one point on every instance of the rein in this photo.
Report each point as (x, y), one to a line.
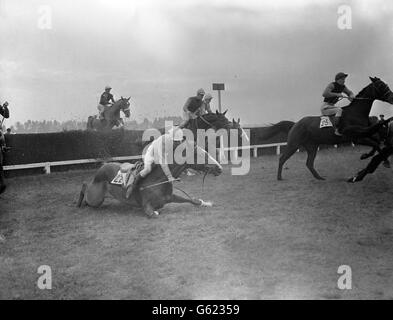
(177, 188)
(156, 184)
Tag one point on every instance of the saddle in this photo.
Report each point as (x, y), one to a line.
(127, 173)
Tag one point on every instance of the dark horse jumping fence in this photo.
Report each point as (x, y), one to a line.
(111, 116)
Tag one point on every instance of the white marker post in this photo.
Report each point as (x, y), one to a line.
(218, 87)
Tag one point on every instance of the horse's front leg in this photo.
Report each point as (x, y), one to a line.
(371, 142)
(369, 154)
(373, 165)
(196, 202)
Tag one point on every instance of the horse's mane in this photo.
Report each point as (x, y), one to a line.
(359, 95)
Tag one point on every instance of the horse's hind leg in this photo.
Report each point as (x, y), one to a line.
(311, 154)
(289, 151)
(178, 199)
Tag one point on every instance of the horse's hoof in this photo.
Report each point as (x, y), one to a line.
(154, 215)
(320, 178)
(207, 204)
(352, 180)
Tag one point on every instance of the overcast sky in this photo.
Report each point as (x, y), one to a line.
(275, 57)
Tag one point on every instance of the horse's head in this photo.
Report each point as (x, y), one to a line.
(216, 120)
(204, 162)
(236, 125)
(124, 105)
(380, 90)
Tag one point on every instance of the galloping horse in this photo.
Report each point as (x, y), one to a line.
(111, 116)
(354, 123)
(154, 191)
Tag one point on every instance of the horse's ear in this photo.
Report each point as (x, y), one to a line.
(233, 120)
(121, 97)
(225, 112)
(217, 112)
(128, 99)
(372, 79)
(238, 120)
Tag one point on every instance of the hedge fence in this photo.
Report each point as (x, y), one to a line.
(74, 145)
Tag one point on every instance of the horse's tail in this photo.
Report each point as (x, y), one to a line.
(274, 129)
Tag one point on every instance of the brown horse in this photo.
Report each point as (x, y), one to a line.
(111, 116)
(154, 191)
(354, 126)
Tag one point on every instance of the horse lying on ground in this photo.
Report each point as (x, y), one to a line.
(153, 192)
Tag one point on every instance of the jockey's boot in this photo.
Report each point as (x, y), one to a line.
(337, 126)
(134, 184)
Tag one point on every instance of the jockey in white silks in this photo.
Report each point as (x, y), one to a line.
(159, 152)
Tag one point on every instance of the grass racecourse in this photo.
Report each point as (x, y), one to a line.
(262, 239)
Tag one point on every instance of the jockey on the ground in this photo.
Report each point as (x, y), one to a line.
(192, 107)
(106, 100)
(159, 152)
(332, 94)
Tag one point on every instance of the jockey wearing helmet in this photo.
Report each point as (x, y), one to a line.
(105, 101)
(192, 107)
(332, 94)
(205, 108)
(160, 151)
